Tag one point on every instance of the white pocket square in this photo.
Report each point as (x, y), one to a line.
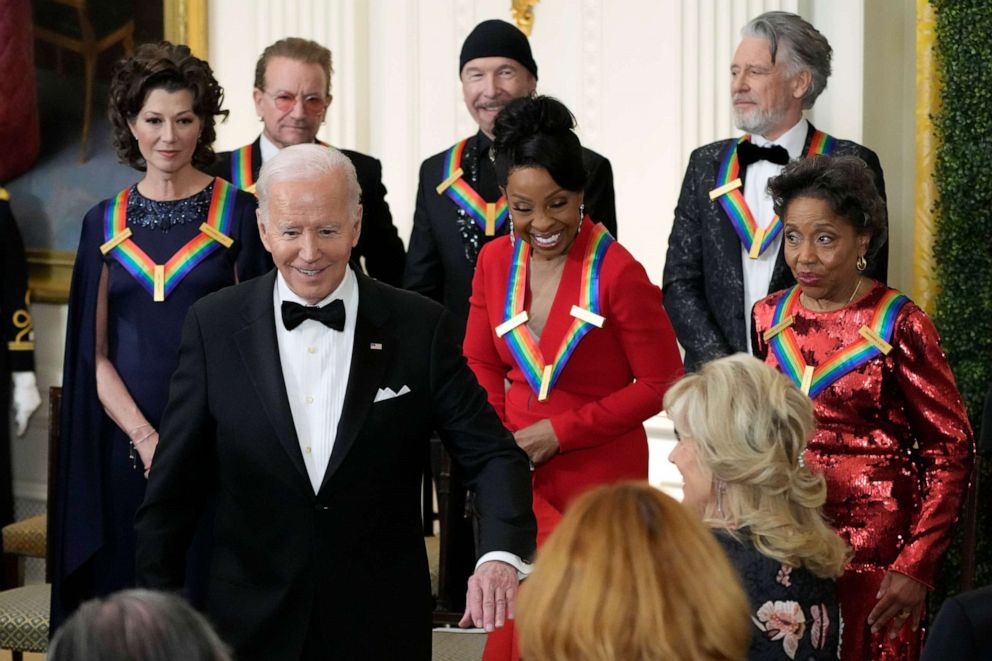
(388, 393)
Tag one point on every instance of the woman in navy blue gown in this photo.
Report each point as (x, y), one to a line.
(145, 256)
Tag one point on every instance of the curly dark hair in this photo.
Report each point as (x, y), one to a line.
(171, 67)
(537, 131)
(845, 183)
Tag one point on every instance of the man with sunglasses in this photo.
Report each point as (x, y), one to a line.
(292, 94)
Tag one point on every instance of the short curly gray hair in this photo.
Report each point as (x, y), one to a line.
(800, 44)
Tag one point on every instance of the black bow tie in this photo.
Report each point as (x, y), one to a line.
(331, 315)
(748, 152)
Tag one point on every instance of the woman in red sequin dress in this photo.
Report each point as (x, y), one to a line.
(892, 437)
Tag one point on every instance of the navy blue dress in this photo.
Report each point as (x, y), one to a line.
(794, 613)
(100, 486)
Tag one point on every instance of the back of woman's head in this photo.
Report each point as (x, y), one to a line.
(137, 625)
(629, 575)
(750, 424)
(538, 132)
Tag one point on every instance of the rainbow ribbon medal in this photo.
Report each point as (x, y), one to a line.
(161, 279)
(587, 314)
(489, 216)
(241, 175)
(812, 381)
(729, 194)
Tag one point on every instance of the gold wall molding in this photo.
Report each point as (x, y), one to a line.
(927, 104)
(523, 14)
(49, 275)
(186, 23)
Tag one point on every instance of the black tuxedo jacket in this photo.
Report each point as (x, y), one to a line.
(380, 244)
(351, 557)
(436, 264)
(703, 281)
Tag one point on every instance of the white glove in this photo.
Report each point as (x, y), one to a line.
(26, 399)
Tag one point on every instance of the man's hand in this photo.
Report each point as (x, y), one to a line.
(26, 399)
(492, 596)
(538, 441)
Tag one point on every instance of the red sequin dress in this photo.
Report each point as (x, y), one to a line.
(895, 445)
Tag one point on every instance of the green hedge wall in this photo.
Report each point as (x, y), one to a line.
(963, 235)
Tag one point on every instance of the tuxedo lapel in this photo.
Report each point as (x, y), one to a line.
(369, 357)
(259, 350)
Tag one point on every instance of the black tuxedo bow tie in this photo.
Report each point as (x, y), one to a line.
(331, 315)
(748, 152)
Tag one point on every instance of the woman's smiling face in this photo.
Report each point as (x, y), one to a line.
(545, 215)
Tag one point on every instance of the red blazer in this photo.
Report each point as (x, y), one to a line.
(596, 407)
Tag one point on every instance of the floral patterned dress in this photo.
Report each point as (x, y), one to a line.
(795, 613)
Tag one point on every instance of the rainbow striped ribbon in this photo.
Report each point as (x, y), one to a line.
(161, 279)
(489, 216)
(729, 193)
(241, 175)
(875, 341)
(521, 341)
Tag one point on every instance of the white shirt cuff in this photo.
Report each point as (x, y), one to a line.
(523, 568)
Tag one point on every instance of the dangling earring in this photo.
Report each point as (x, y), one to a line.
(721, 491)
(582, 216)
(513, 238)
(862, 263)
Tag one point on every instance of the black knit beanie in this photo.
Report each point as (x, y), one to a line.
(495, 38)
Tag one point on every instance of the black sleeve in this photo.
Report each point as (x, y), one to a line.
(683, 282)
(15, 319)
(494, 467)
(424, 272)
(379, 243)
(599, 196)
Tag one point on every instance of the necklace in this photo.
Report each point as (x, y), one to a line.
(806, 299)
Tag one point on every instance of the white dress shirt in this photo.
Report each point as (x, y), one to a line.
(267, 148)
(316, 362)
(758, 272)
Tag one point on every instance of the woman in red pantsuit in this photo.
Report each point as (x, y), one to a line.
(569, 319)
(892, 436)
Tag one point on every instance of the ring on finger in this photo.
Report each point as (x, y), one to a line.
(904, 613)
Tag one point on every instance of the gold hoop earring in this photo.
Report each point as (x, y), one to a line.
(862, 263)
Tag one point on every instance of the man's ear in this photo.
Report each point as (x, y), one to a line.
(258, 95)
(358, 226)
(801, 83)
(261, 230)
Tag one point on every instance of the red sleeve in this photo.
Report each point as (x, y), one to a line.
(480, 343)
(648, 342)
(944, 440)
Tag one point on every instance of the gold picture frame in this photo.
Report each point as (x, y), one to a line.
(50, 271)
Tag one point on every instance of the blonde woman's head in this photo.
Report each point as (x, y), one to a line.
(742, 429)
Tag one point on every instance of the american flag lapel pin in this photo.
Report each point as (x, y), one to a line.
(375, 346)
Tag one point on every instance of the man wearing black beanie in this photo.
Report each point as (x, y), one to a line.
(495, 67)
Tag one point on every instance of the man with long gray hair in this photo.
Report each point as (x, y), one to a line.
(725, 249)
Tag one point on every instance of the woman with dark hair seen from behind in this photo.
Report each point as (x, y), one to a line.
(144, 257)
(742, 429)
(569, 317)
(137, 625)
(629, 575)
(892, 437)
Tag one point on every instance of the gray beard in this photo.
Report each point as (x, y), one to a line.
(759, 121)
